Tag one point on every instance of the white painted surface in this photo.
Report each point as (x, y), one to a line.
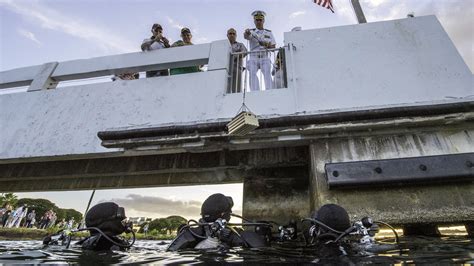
(66, 120)
(394, 63)
(117, 64)
(42, 80)
(375, 64)
(19, 76)
(133, 62)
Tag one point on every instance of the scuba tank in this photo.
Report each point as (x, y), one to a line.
(208, 243)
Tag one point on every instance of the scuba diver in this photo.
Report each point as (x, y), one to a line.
(105, 223)
(213, 230)
(331, 233)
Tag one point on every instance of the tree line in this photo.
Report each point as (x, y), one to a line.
(164, 226)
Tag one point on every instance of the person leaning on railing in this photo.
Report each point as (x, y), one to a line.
(155, 42)
(186, 37)
(237, 67)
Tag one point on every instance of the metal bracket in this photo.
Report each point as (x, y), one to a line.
(43, 80)
(440, 168)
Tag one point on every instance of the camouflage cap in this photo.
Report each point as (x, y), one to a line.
(185, 30)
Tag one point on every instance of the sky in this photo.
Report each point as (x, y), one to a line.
(34, 32)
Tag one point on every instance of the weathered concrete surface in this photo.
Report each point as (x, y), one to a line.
(277, 194)
(437, 203)
(146, 171)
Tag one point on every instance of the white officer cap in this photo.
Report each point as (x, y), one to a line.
(258, 14)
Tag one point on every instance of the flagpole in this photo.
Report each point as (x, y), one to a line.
(358, 11)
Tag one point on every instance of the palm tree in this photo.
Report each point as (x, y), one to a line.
(9, 198)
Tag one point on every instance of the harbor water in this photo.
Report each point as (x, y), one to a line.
(419, 250)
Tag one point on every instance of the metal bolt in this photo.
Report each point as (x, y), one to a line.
(378, 170)
(335, 173)
(469, 164)
(423, 167)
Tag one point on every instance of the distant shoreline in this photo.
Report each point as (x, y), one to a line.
(39, 234)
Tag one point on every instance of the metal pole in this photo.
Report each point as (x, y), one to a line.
(87, 209)
(358, 11)
(90, 200)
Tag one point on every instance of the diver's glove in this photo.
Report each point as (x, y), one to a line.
(225, 235)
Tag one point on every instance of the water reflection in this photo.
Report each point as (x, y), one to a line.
(427, 250)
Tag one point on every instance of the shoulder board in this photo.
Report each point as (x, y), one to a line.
(268, 30)
(253, 29)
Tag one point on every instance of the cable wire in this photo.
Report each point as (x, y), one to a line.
(393, 229)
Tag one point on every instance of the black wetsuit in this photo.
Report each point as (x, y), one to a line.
(188, 240)
(99, 243)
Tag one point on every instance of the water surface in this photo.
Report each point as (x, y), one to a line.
(427, 250)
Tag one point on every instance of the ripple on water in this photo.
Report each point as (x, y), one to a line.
(426, 250)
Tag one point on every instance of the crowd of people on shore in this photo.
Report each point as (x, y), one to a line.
(11, 217)
(261, 41)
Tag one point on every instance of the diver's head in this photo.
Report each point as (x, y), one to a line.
(217, 206)
(335, 217)
(108, 217)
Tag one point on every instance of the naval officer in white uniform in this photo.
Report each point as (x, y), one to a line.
(260, 39)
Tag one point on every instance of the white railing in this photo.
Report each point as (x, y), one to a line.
(257, 70)
(47, 76)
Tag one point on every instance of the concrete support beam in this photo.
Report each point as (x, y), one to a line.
(277, 194)
(143, 171)
(129, 180)
(421, 229)
(470, 229)
(415, 204)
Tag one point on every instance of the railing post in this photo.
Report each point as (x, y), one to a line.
(43, 80)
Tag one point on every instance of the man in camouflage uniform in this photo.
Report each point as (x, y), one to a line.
(186, 37)
(260, 40)
(237, 67)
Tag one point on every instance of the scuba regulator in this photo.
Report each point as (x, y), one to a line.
(105, 222)
(330, 224)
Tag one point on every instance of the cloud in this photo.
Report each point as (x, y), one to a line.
(29, 35)
(49, 18)
(158, 206)
(197, 38)
(375, 3)
(174, 24)
(297, 14)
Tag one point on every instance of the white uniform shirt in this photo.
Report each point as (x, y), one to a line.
(257, 36)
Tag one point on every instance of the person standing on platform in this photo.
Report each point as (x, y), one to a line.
(155, 42)
(186, 38)
(237, 67)
(260, 40)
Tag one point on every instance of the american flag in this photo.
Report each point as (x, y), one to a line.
(325, 3)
